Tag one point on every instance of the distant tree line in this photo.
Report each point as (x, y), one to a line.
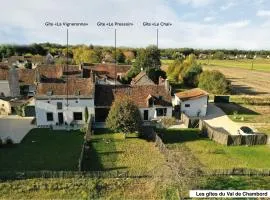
(123, 54)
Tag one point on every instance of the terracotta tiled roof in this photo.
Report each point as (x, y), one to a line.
(3, 72)
(191, 94)
(27, 76)
(105, 94)
(76, 87)
(50, 71)
(71, 70)
(108, 69)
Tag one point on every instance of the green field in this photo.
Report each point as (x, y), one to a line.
(43, 149)
(86, 188)
(236, 183)
(258, 64)
(111, 151)
(215, 156)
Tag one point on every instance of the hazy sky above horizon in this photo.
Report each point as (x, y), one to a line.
(242, 24)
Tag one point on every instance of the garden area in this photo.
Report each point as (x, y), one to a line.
(86, 188)
(43, 149)
(113, 151)
(215, 156)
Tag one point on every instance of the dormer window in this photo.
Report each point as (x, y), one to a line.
(150, 102)
(49, 93)
(77, 93)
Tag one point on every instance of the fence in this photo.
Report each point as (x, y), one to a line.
(221, 136)
(17, 175)
(87, 138)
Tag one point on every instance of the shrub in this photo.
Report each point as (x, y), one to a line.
(167, 121)
(214, 82)
(191, 76)
(124, 116)
(1, 142)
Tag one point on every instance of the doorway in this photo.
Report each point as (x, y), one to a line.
(145, 115)
(60, 118)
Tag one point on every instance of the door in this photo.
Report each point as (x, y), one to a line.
(145, 115)
(60, 118)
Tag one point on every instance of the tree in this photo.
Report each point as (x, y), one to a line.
(191, 76)
(83, 54)
(28, 65)
(124, 116)
(186, 71)
(219, 55)
(154, 74)
(148, 58)
(120, 57)
(214, 82)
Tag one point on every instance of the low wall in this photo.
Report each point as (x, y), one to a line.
(221, 136)
(190, 122)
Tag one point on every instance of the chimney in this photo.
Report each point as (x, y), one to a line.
(161, 80)
(167, 86)
(13, 80)
(37, 76)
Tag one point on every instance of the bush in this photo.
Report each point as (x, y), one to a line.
(124, 116)
(167, 121)
(191, 76)
(214, 82)
(1, 142)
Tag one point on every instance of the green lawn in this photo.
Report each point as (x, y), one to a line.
(111, 151)
(86, 188)
(236, 183)
(43, 149)
(258, 64)
(216, 156)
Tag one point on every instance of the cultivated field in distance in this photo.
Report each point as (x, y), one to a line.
(245, 81)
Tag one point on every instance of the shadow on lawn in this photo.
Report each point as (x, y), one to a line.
(102, 154)
(231, 108)
(171, 136)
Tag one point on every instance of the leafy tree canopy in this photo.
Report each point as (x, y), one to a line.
(214, 82)
(124, 116)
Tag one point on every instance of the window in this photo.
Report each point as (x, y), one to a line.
(161, 112)
(187, 105)
(49, 116)
(59, 105)
(77, 116)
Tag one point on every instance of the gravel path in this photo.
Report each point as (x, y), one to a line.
(15, 128)
(218, 119)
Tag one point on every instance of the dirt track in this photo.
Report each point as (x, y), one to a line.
(246, 81)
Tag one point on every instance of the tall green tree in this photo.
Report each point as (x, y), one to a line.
(214, 82)
(124, 116)
(83, 54)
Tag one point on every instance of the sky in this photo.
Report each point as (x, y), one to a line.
(205, 24)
